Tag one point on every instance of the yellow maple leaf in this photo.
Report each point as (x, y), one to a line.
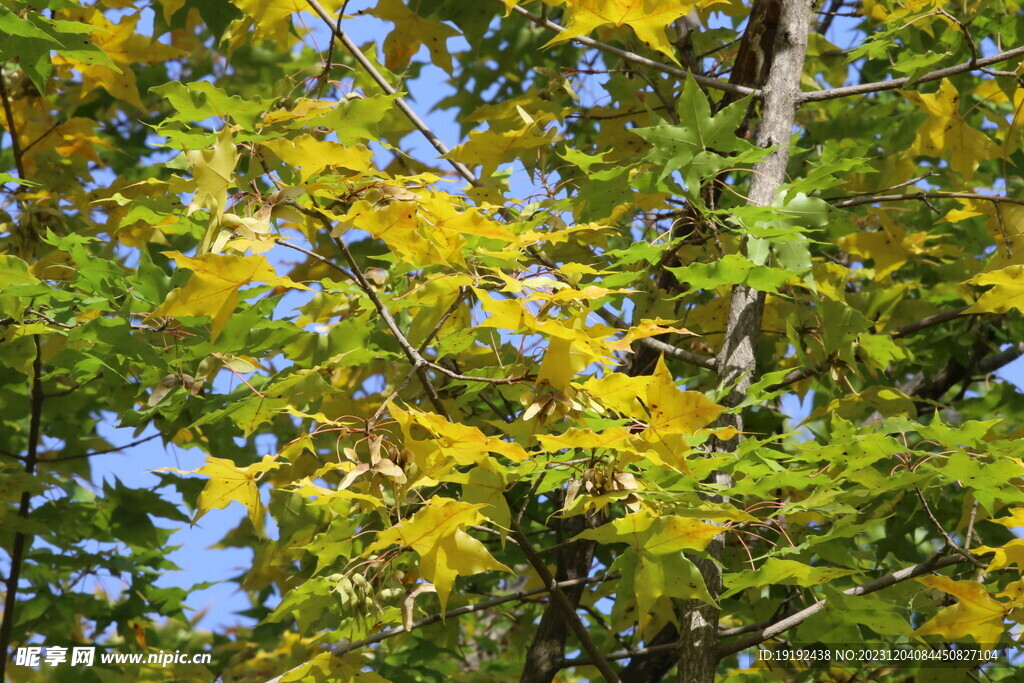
(213, 170)
(410, 32)
(647, 328)
(647, 18)
(436, 533)
(1016, 519)
(230, 483)
(977, 614)
(213, 288)
(1010, 553)
(311, 156)
(671, 410)
(945, 130)
(489, 149)
(1007, 293)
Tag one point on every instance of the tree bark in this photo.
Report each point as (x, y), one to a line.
(737, 363)
(547, 651)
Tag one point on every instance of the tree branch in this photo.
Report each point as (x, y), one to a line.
(950, 543)
(322, 259)
(622, 654)
(799, 374)
(995, 199)
(935, 563)
(21, 541)
(112, 449)
(865, 88)
(16, 151)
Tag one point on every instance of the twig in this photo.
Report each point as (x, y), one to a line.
(935, 563)
(621, 654)
(400, 387)
(953, 545)
(924, 196)
(112, 449)
(313, 255)
(8, 454)
(912, 181)
(929, 321)
(998, 360)
(865, 88)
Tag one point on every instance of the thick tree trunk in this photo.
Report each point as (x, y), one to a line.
(697, 658)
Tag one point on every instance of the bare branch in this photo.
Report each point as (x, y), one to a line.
(622, 654)
(929, 321)
(112, 449)
(865, 88)
(922, 196)
(322, 259)
(953, 545)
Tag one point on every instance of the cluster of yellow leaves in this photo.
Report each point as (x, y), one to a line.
(1007, 294)
(124, 47)
(424, 228)
(311, 156)
(270, 20)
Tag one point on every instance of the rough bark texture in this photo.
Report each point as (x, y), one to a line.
(697, 658)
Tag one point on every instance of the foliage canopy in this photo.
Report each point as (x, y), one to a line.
(527, 418)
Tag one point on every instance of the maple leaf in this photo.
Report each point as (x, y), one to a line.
(660, 568)
(410, 32)
(977, 615)
(311, 156)
(946, 130)
(647, 18)
(213, 170)
(489, 148)
(436, 533)
(213, 288)
(1007, 294)
(230, 483)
